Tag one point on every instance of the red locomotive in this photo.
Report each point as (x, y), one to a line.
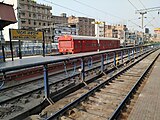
(77, 44)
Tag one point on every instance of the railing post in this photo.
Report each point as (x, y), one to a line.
(114, 58)
(82, 70)
(128, 54)
(142, 49)
(107, 57)
(137, 51)
(133, 53)
(102, 62)
(46, 84)
(122, 56)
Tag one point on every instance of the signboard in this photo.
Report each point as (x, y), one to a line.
(18, 34)
(157, 30)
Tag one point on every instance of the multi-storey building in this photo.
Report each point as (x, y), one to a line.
(156, 37)
(108, 31)
(83, 24)
(32, 15)
(60, 20)
(117, 31)
(60, 26)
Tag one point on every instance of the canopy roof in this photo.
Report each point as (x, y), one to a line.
(7, 15)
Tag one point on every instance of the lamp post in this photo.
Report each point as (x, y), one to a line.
(98, 23)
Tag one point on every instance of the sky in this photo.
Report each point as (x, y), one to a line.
(110, 11)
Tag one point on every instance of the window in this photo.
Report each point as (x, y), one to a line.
(29, 7)
(23, 14)
(48, 31)
(29, 14)
(34, 15)
(35, 23)
(22, 6)
(29, 21)
(43, 17)
(39, 16)
(23, 21)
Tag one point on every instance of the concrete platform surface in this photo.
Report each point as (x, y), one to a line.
(147, 106)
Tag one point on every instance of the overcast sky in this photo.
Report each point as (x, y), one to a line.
(111, 11)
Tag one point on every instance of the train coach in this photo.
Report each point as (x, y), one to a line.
(68, 44)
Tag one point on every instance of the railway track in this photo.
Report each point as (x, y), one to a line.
(17, 99)
(102, 99)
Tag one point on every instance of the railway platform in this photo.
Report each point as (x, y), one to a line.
(147, 106)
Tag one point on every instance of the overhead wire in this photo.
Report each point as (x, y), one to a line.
(150, 14)
(97, 9)
(50, 2)
(134, 23)
(137, 10)
(67, 8)
(132, 4)
(72, 10)
(149, 22)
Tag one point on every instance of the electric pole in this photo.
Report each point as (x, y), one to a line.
(145, 11)
(142, 13)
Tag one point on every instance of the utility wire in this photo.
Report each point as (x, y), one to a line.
(73, 10)
(67, 8)
(132, 4)
(150, 23)
(135, 23)
(97, 9)
(137, 9)
(150, 14)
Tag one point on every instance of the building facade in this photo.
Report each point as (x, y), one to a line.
(33, 16)
(115, 31)
(60, 20)
(83, 24)
(156, 37)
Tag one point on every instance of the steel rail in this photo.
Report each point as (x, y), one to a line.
(61, 71)
(59, 113)
(50, 77)
(127, 60)
(123, 103)
(61, 94)
(66, 92)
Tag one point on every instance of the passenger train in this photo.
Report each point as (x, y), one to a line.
(68, 44)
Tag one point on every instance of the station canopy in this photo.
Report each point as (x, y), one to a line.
(7, 15)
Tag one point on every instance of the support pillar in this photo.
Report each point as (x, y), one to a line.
(114, 58)
(102, 62)
(46, 84)
(122, 56)
(128, 54)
